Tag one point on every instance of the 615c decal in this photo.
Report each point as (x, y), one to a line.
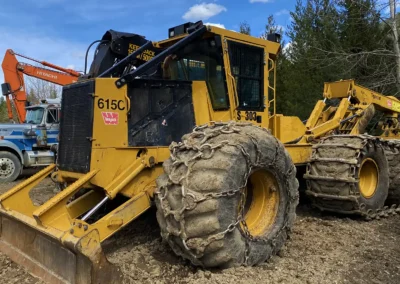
(110, 104)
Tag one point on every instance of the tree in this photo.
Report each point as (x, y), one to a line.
(245, 28)
(314, 30)
(333, 40)
(396, 47)
(38, 90)
(271, 27)
(360, 48)
(3, 110)
(363, 52)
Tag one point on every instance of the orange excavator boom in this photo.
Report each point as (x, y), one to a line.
(47, 64)
(14, 72)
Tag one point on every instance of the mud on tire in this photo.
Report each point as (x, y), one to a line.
(392, 152)
(200, 198)
(333, 175)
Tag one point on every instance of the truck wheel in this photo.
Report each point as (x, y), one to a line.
(10, 166)
(228, 196)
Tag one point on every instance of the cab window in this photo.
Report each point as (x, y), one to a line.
(52, 115)
(247, 67)
(34, 115)
(201, 61)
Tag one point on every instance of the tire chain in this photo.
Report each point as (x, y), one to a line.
(218, 129)
(389, 147)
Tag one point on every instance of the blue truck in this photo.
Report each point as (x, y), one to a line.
(32, 143)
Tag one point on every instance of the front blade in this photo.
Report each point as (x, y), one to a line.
(46, 257)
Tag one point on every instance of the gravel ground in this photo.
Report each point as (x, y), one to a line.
(322, 249)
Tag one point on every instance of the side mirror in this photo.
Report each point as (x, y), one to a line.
(6, 89)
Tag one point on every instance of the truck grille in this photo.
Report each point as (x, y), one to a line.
(76, 127)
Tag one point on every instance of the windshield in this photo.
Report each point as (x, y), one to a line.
(34, 115)
(202, 61)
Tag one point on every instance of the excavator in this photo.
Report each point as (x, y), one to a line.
(14, 85)
(194, 130)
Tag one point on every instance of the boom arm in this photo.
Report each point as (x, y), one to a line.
(13, 75)
(362, 95)
(357, 106)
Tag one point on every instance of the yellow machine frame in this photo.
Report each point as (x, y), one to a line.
(116, 168)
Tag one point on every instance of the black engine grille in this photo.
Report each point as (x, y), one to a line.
(76, 127)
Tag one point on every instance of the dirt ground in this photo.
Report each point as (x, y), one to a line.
(322, 249)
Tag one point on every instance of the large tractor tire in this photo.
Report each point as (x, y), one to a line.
(10, 167)
(228, 196)
(348, 174)
(392, 152)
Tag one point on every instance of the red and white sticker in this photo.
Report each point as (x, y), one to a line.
(110, 118)
(389, 103)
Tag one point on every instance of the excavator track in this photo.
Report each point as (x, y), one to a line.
(333, 175)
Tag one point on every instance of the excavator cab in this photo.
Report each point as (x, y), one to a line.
(6, 89)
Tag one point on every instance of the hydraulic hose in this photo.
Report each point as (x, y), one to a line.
(87, 51)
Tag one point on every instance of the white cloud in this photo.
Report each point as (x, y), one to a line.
(261, 1)
(71, 66)
(282, 12)
(216, 25)
(203, 11)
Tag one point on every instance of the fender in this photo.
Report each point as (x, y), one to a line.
(10, 145)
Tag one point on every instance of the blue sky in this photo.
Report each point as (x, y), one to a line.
(59, 31)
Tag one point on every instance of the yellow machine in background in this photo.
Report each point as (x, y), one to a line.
(226, 191)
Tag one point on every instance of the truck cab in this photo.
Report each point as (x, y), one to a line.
(29, 144)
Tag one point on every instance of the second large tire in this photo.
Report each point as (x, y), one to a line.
(392, 152)
(228, 196)
(348, 174)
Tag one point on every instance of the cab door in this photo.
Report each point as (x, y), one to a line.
(247, 69)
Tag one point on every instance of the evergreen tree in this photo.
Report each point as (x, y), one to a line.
(314, 30)
(244, 28)
(332, 40)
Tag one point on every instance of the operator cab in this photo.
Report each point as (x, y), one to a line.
(199, 74)
(203, 61)
(238, 70)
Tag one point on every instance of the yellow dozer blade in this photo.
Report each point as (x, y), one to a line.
(51, 242)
